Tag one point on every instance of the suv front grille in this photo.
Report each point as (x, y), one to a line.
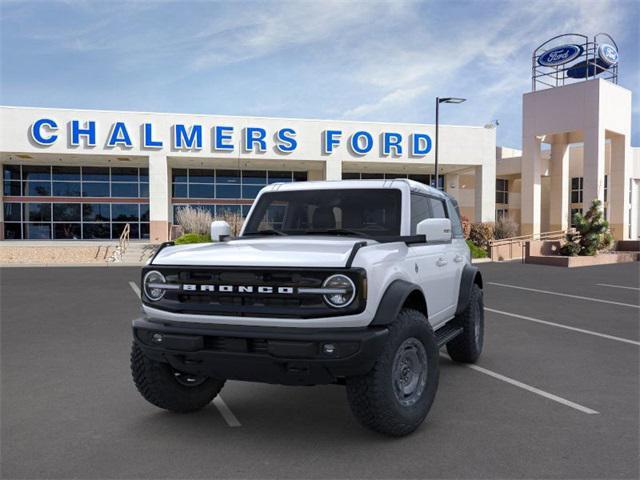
(283, 300)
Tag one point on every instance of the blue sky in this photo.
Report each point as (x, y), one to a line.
(351, 60)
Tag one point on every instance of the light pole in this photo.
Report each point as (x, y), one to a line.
(438, 102)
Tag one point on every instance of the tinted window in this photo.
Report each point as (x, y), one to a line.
(12, 212)
(66, 189)
(124, 189)
(454, 215)
(228, 176)
(420, 209)
(437, 208)
(369, 212)
(95, 189)
(70, 231)
(96, 212)
(95, 174)
(11, 172)
(37, 189)
(32, 172)
(66, 212)
(124, 174)
(201, 176)
(124, 212)
(66, 173)
(12, 189)
(37, 212)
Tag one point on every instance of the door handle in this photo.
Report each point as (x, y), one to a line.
(441, 262)
(458, 258)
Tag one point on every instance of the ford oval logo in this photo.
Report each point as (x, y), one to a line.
(560, 55)
(608, 54)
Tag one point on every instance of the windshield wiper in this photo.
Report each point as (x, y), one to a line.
(264, 232)
(337, 231)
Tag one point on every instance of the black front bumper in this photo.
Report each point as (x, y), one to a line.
(289, 356)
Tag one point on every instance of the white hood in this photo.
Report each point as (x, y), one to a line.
(290, 251)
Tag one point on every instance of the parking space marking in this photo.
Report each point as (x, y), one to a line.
(617, 286)
(611, 302)
(226, 412)
(135, 288)
(566, 327)
(529, 388)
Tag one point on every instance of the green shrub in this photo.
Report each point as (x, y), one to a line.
(591, 235)
(476, 251)
(193, 238)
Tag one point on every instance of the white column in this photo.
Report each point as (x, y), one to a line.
(559, 205)
(593, 167)
(485, 192)
(159, 197)
(333, 169)
(531, 186)
(618, 188)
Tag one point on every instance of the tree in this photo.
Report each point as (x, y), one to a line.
(591, 235)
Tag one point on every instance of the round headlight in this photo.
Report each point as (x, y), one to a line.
(151, 282)
(342, 293)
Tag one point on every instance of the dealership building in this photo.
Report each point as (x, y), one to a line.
(86, 174)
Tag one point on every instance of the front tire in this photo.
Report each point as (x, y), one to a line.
(467, 346)
(396, 395)
(169, 389)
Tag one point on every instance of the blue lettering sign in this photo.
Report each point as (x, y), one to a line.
(330, 140)
(420, 144)
(186, 139)
(253, 136)
(37, 134)
(147, 137)
(357, 146)
(286, 140)
(89, 131)
(391, 140)
(222, 137)
(119, 136)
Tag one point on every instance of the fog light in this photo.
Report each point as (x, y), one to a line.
(329, 348)
(156, 338)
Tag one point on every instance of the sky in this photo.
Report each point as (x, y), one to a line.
(344, 60)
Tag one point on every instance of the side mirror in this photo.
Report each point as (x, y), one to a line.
(435, 229)
(220, 230)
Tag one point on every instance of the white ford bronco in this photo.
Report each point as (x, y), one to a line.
(358, 283)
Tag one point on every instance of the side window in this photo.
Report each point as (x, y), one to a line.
(437, 208)
(454, 215)
(419, 210)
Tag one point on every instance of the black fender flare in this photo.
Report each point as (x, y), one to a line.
(470, 276)
(393, 299)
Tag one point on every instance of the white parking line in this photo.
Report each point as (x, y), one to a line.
(565, 295)
(222, 407)
(226, 413)
(531, 389)
(566, 327)
(617, 286)
(135, 288)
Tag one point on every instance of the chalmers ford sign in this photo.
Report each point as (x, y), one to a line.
(45, 132)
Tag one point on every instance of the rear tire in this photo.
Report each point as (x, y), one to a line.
(467, 346)
(169, 389)
(396, 395)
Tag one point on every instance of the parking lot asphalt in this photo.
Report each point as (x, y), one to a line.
(555, 394)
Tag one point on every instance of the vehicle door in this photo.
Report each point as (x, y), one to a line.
(431, 263)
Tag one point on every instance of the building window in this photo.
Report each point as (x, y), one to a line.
(576, 190)
(65, 214)
(502, 190)
(63, 181)
(230, 186)
(502, 213)
(606, 187)
(573, 212)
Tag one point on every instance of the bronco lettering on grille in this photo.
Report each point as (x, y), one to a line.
(191, 287)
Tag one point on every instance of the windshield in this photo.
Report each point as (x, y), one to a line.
(367, 213)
